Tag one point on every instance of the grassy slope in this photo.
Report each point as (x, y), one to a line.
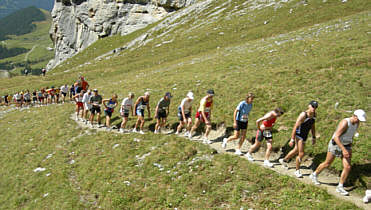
(288, 74)
(40, 37)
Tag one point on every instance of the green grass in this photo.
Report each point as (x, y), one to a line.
(39, 38)
(192, 175)
(286, 63)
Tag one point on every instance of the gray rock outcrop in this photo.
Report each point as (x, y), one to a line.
(79, 23)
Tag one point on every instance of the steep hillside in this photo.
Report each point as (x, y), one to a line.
(9, 6)
(286, 52)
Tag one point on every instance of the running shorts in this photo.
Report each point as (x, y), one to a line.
(161, 114)
(199, 116)
(335, 149)
(140, 112)
(241, 125)
(108, 113)
(95, 109)
(80, 104)
(266, 134)
(180, 116)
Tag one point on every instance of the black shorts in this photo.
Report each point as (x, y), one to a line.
(34, 99)
(108, 113)
(19, 100)
(28, 100)
(180, 116)
(260, 135)
(241, 125)
(140, 112)
(161, 114)
(64, 94)
(95, 109)
(124, 114)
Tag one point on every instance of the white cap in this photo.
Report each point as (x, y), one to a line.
(190, 95)
(146, 93)
(361, 115)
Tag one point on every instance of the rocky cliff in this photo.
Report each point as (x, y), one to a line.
(79, 23)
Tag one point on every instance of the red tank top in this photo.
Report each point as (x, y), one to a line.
(269, 123)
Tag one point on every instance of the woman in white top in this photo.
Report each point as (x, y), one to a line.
(341, 146)
(126, 108)
(184, 114)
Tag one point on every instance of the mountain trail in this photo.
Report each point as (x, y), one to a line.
(328, 180)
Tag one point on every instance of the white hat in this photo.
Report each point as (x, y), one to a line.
(361, 115)
(190, 95)
(146, 93)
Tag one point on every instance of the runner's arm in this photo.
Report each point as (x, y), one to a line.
(234, 117)
(182, 110)
(313, 129)
(341, 129)
(267, 116)
(149, 110)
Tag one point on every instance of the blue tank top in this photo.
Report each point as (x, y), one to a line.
(305, 127)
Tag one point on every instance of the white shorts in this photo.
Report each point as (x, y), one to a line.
(87, 106)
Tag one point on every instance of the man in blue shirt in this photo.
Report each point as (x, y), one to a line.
(240, 121)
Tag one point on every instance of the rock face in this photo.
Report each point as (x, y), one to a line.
(79, 23)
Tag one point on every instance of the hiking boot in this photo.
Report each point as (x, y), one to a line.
(298, 174)
(314, 179)
(268, 164)
(249, 157)
(238, 152)
(341, 190)
(283, 163)
(224, 144)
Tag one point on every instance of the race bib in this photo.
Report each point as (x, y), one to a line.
(207, 109)
(244, 117)
(267, 133)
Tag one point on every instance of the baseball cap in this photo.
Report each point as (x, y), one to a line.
(95, 90)
(361, 115)
(168, 94)
(314, 104)
(210, 92)
(146, 93)
(190, 95)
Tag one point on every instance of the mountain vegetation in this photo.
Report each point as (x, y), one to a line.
(9, 6)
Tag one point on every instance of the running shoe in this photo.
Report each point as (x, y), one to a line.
(177, 133)
(135, 130)
(189, 135)
(121, 130)
(238, 152)
(224, 144)
(249, 157)
(314, 179)
(268, 164)
(141, 132)
(186, 133)
(283, 163)
(341, 190)
(298, 174)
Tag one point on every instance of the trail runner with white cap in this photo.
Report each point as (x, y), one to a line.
(184, 114)
(304, 124)
(340, 146)
(96, 102)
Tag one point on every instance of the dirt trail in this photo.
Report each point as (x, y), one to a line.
(328, 180)
(29, 52)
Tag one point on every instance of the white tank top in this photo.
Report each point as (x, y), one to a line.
(347, 137)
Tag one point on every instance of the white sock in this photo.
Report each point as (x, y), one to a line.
(340, 185)
(314, 173)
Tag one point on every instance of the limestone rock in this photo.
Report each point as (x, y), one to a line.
(79, 23)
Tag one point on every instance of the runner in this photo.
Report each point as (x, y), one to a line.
(304, 124)
(84, 83)
(110, 105)
(72, 92)
(40, 96)
(78, 87)
(46, 95)
(9, 99)
(57, 95)
(87, 105)
(162, 111)
(34, 97)
(265, 125)
(64, 92)
(27, 98)
(79, 105)
(18, 99)
(184, 114)
(204, 115)
(126, 108)
(340, 146)
(6, 100)
(95, 101)
(240, 122)
(140, 105)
